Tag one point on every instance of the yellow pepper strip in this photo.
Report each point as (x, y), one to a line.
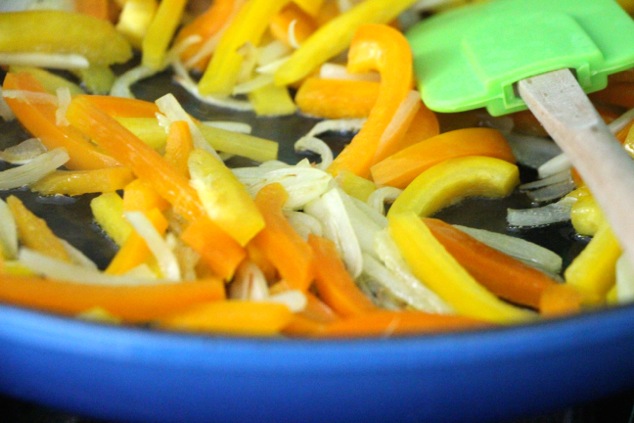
(249, 25)
(434, 266)
(107, 209)
(271, 100)
(160, 31)
(135, 19)
(592, 272)
(231, 317)
(52, 31)
(311, 7)
(224, 197)
(377, 47)
(34, 232)
(451, 181)
(335, 36)
(585, 215)
(355, 185)
(78, 182)
(230, 142)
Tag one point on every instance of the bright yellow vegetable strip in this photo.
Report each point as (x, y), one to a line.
(231, 317)
(160, 31)
(52, 31)
(230, 142)
(271, 100)
(433, 265)
(592, 272)
(78, 182)
(224, 197)
(310, 6)
(249, 25)
(34, 232)
(107, 209)
(135, 19)
(335, 36)
(451, 181)
(585, 215)
(355, 185)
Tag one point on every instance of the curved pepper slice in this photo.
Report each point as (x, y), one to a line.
(377, 47)
(335, 36)
(434, 266)
(51, 31)
(451, 181)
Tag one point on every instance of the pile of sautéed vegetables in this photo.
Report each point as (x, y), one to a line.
(210, 227)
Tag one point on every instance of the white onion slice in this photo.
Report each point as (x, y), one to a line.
(540, 216)
(225, 102)
(165, 258)
(30, 96)
(532, 151)
(316, 146)
(5, 111)
(249, 283)
(336, 71)
(63, 101)
(304, 224)
(50, 267)
(380, 196)
(45, 60)
(34, 170)
(121, 85)
(557, 164)
(294, 299)
(23, 152)
(336, 125)
(331, 211)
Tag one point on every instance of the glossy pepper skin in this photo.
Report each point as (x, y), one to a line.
(52, 31)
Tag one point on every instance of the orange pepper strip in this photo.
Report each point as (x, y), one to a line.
(135, 251)
(377, 47)
(221, 253)
(135, 154)
(178, 147)
(99, 9)
(291, 14)
(333, 282)
(312, 320)
(133, 304)
(123, 107)
(500, 273)
(387, 323)
(34, 232)
(402, 167)
(206, 25)
(279, 243)
(78, 182)
(139, 195)
(336, 98)
(39, 120)
(560, 300)
(230, 317)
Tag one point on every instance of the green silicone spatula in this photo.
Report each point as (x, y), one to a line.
(507, 55)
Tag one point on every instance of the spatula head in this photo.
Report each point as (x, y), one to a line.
(472, 57)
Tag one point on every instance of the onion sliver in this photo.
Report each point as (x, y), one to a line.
(34, 170)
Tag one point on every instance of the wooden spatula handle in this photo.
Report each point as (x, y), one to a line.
(559, 103)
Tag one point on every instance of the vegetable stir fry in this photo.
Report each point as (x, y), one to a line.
(213, 233)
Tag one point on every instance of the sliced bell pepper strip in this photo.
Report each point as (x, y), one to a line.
(435, 267)
(377, 47)
(389, 323)
(99, 9)
(54, 31)
(124, 106)
(333, 282)
(560, 300)
(179, 146)
(225, 199)
(230, 318)
(312, 7)
(79, 182)
(592, 272)
(399, 169)
(34, 232)
(139, 195)
(292, 19)
(132, 304)
(107, 209)
(335, 36)
(205, 26)
(248, 26)
(40, 120)
(501, 274)
(336, 98)
(160, 31)
(271, 100)
(451, 181)
(135, 18)
(278, 241)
